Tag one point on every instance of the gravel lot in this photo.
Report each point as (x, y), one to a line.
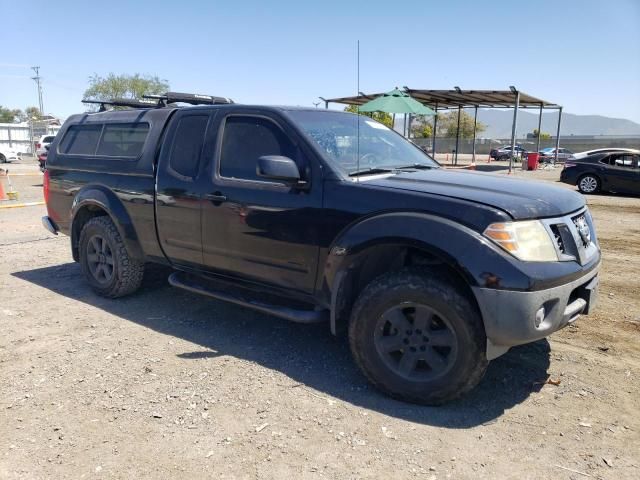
(165, 383)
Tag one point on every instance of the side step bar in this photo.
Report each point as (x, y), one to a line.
(192, 284)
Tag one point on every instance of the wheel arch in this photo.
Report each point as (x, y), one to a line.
(95, 201)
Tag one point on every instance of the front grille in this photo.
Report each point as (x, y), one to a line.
(574, 237)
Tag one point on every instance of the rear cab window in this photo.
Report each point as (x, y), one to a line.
(187, 145)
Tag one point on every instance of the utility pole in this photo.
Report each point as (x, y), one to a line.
(37, 80)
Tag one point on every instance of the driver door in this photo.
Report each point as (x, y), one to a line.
(259, 229)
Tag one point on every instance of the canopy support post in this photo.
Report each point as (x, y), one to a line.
(475, 125)
(435, 127)
(555, 160)
(513, 130)
(539, 128)
(455, 161)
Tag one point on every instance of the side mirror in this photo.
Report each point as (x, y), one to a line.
(277, 167)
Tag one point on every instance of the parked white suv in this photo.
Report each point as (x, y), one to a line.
(44, 142)
(8, 154)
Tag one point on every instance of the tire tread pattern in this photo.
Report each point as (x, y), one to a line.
(434, 282)
(129, 272)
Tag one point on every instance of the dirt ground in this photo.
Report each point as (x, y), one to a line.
(164, 383)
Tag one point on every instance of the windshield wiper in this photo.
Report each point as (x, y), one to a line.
(370, 171)
(416, 166)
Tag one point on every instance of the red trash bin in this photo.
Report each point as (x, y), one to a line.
(532, 160)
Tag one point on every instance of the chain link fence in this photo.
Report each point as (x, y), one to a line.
(484, 145)
(22, 137)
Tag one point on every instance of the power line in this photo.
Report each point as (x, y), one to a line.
(37, 80)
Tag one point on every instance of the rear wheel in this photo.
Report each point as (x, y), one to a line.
(3, 159)
(417, 337)
(589, 184)
(105, 261)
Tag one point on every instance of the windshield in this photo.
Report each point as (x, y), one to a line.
(381, 149)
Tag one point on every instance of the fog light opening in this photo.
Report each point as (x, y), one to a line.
(540, 314)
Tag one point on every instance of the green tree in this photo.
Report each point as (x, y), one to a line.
(32, 113)
(9, 116)
(124, 86)
(381, 117)
(448, 124)
(543, 135)
(421, 127)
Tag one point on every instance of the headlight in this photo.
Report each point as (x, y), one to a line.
(528, 240)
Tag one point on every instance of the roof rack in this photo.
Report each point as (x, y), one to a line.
(190, 98)
(158, 101)
(124, 102)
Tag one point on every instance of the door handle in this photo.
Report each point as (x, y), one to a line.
(216, 197)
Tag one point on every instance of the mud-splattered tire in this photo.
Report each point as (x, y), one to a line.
(105, 261)
(417, 337)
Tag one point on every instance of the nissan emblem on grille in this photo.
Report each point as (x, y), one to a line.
(583, 229)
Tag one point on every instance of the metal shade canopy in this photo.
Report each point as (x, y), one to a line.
(396, 101)
(452, 99)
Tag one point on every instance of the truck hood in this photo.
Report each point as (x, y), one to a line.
(522, 199)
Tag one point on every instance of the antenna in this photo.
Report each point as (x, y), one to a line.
(358, 113)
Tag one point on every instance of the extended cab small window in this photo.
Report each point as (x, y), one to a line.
(123, 140)
(186, 149)
(245, 139)
(81, 140)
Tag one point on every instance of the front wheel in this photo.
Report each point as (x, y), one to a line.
(105, 261)
(3, 159)
(589, 184)
(417, 337)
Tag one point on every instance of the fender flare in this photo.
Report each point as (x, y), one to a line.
(105, 199)
(463, 249)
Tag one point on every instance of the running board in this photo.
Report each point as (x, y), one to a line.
(206, 287)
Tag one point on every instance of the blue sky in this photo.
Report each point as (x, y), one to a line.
(584, 55)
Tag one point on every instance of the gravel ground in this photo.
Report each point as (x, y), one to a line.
(165, 383)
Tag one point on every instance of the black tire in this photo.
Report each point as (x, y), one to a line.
(423, 291)
(589, 184)
(3, 159)
(105, 261)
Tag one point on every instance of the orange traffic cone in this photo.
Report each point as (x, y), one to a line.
(2, 194)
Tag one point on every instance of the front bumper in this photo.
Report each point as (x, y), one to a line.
(516, 317)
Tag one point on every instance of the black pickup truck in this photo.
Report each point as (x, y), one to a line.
(323, 216)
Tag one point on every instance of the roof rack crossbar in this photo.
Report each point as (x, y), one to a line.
(123, 102)
(190, 98)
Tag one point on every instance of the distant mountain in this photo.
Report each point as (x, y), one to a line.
(499, 122)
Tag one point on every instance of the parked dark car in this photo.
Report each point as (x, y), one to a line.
(322, 216)
(616, 170)
(504, 153)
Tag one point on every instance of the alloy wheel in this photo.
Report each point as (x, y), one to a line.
(415, 341)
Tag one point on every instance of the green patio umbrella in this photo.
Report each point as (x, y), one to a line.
(396, 101)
